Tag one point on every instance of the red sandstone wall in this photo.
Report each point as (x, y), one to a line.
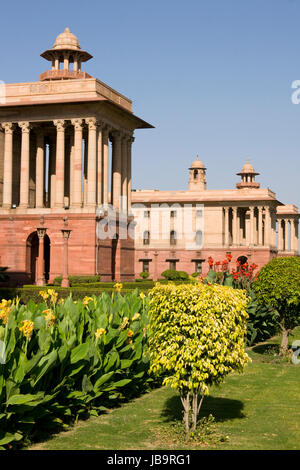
(259, 256)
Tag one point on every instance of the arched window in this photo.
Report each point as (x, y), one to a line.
(199, 238)
(146, 237)
(173, 237)
(195, 174)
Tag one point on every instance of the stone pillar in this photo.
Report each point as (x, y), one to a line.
(129, 164)
(99, 165)
(8, 160)
(267, 226)
(65, 272)
(251, 239)
(24, 176)
(293, 235)
(41, 231)
(124, 178)
(260, 226)
(286, 234)
(280, 235)
(234, 226)
(60, 163)
(71, 181)
(116, 170)
(226, 227)
(92, 162)
(77, 164)
(39, 173)
(105, 180)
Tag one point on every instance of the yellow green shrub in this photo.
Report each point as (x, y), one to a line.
(196, 337)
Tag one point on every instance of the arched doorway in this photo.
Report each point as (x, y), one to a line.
(32, 253)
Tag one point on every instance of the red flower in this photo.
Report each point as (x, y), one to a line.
(229, 256)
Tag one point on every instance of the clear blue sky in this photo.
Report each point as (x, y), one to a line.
(213, 76)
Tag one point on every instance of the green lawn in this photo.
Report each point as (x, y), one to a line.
(259, 409)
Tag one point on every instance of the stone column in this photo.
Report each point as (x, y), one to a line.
(77, 164)
(8, 160)
(65, 273)
(99, 165)
(251, 239)
(293, 235)
(260, 226)
(124, 174)
(105, 180)
(39, 174)
(226, 226)
(41, 231)
(286, 234)
(129, 162)
(267, 226)
(234, 226)
(24, 177)
(92, 162)
(280, 235)
(60, 163)
(116, 170)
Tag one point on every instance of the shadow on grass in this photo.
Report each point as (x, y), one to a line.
(222, 409)
(268, 348)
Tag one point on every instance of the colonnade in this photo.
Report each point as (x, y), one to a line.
(259, 226)
(75, 177)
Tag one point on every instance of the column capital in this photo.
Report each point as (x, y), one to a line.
(41, 231)
(116, 134)
(77, 123)
(25, 126)
(234, 209)
(226, 208)
(60, 124)
(8, 127)
(92, 123)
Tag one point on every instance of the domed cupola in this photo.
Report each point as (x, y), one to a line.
(248, 177)
(67, 51)
(197, 181)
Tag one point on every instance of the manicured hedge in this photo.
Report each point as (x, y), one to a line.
(32, 292)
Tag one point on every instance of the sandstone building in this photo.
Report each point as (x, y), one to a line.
(66, 198)
(64, 139)
(181, 229)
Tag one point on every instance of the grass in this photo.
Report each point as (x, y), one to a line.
(259, 409)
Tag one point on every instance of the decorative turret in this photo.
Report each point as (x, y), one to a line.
(248, 177)
(197, 181)
(65, 50)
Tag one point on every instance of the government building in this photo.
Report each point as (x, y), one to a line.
(66, 199)
(182, 229)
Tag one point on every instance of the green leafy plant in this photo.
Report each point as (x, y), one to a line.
(196, 338)
(263, 321)
(144, 275)
(278, 286)
(65, 359)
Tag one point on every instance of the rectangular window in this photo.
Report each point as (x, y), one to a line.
(172, 265)
(146, 266)
(198, 267)
(146, 214)
(199, 213)
(173, 214)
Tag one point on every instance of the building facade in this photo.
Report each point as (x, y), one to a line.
(65, 152)
(181, 229)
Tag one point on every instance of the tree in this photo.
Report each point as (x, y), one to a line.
(278, 285)
(196, 338)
